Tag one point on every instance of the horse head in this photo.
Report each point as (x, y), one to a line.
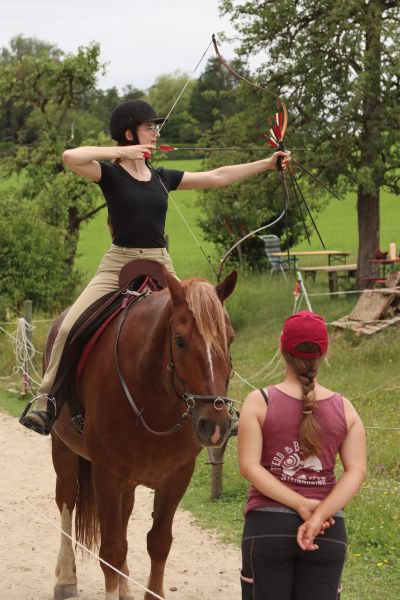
(200, 334)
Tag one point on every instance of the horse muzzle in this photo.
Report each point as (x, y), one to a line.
(212, 416)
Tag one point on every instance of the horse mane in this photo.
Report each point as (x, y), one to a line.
(209, 314)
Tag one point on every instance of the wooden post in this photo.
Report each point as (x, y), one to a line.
(333, 282)
(28, 332)
(217, 470)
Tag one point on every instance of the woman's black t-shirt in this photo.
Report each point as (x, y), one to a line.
(137, 209)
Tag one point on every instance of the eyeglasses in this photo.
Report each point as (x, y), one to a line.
(153, 128)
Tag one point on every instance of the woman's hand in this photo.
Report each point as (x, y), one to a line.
(308, 531)
(306, 511)
(136, 151)
(307, 508)
(286, 158)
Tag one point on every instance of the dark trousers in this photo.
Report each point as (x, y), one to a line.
(275, 568)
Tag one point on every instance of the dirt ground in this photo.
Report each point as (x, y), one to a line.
(200, 567)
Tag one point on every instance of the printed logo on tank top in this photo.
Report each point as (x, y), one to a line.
(291, 466)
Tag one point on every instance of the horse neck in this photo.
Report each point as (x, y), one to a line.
(155, 342)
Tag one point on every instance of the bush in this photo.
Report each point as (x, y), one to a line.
(32, 262)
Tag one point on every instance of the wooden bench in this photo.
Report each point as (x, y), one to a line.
(333, 273)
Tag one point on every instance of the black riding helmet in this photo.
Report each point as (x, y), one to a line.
(128, 115)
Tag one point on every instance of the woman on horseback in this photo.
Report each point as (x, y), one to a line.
(137, 201)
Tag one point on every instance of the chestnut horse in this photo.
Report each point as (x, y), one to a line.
(153, 392)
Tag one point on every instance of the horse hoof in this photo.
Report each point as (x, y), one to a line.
(64, 591)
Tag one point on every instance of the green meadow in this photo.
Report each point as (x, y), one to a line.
(365, 369)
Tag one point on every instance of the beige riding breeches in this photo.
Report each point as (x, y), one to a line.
(105, 281)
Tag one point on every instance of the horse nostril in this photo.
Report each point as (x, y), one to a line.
(203, 426)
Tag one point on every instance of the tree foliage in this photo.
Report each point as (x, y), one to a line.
(337, 64)
(48, 86)
(182, 127)
(30, 254)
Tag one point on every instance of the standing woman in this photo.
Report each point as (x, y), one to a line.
(294, 538)
(137, 202)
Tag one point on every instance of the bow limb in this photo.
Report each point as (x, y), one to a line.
(231, 70)
(237, 75)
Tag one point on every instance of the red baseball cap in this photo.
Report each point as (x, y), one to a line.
(304, 326)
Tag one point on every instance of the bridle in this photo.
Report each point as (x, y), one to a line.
(187, 397)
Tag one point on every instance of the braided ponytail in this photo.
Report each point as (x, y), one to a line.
(306, 371)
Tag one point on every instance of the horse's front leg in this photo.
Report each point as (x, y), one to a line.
(109, 494)
(159, 538)
(66, 465)
(127, 507)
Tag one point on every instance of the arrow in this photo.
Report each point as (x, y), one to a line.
(166, 148)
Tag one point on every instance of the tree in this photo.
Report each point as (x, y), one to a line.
(212, 96)
(182, 127)
(338, 64)
(50, 87)
(233, 212)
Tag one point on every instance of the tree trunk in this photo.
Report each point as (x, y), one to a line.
(371, 147)
(368, 235)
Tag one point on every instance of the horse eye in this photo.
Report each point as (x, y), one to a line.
(180, 341)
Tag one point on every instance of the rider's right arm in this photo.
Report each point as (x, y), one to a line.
(84, 160)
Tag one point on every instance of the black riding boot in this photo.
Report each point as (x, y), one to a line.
(40, 421)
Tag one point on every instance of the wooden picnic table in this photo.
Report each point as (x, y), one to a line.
(333, 272)
(334, 256)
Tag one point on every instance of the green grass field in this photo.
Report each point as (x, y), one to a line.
(365, 369)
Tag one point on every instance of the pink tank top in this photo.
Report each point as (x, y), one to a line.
(313, 477)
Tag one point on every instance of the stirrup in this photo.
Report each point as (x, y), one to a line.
(46, 418)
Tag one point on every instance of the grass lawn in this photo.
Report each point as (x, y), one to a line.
(363, 368)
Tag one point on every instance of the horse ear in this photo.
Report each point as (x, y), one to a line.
(175, 287)
(226, 287)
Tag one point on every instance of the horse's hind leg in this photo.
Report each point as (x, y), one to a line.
(66, 465)
(159, 538)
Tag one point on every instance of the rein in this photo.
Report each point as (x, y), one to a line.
(187, 397)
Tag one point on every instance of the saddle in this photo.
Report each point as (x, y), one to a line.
(136, 280)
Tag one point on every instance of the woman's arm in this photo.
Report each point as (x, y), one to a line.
(230, 174)
(250, 441)
(353, 454)
(84, 160)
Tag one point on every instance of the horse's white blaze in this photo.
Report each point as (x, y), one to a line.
(210, 362)
(66, 569)
(216, 435)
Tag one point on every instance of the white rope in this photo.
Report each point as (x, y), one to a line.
(60, 530)
(24, 352)
(379, 489)
(375, 389)
(344, 292)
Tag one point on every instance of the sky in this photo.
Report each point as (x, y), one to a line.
(139, 40)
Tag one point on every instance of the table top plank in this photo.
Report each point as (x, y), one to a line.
(313, 253)
(329, 268)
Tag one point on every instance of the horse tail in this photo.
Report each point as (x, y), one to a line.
(87, 527)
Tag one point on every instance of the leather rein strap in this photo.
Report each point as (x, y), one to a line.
(136, 410)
